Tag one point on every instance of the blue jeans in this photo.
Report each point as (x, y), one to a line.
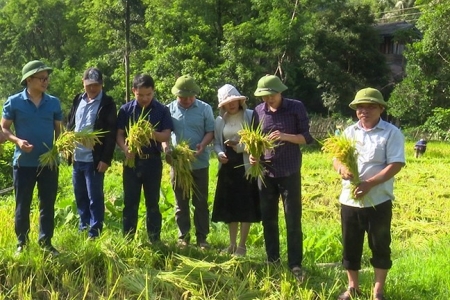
(25, 179)
(289, 190)
(200, 202)
(89, 196)
(146, 174)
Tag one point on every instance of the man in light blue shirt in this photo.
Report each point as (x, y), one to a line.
(92, 110)
(193, 121)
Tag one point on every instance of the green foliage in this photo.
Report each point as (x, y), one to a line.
(438, 124)
(6, 154)
(428, 69)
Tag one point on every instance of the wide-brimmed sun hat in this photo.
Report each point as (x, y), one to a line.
(33, 67)
(269, 85)
(368, 96)
(185, 86)
(229, 93)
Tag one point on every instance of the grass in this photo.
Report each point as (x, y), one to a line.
(114, 268)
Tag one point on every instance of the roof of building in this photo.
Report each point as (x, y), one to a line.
(388, 29)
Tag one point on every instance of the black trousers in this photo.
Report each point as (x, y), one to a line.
(376, 221)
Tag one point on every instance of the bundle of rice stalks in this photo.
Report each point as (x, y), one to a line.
(139, 134)
(66, 144)
(255, 143)
(182, 158)
(343, 149)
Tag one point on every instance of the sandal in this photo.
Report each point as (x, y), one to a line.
(298, 273)
(229, 250)
(379, 296)
(240, 251)
(349, 294)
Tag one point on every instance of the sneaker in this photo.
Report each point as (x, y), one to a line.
(49, 249)
(240, 251)
(19, 250)
(203, 245)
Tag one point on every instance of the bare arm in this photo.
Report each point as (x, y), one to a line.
(120, 140)
(9, 135)
(57, 126)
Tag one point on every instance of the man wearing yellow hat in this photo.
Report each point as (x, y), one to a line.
(193, 121)
(287, 123)
(36, 117)
(368, 207)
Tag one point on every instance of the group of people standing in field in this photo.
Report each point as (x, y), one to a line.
(32, 118)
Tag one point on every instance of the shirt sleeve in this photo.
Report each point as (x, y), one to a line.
(209, 119)
(166, 120)
(395, 147)
(303, 123)
(122, 119)
(58, 115)
(7, 112)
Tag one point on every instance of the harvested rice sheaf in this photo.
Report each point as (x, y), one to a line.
(182, 158)
(343, 149)
(66, 144)
(139, 135)
(255, 143)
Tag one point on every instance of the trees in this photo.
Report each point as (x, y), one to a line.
(428, 70)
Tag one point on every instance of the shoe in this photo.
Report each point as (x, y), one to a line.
(19, 250)
(379, 296)
(49, 249)
(181, 243)
(229, 250)
(240, 251)
(349, 294)
(298, 273)
(203, 245)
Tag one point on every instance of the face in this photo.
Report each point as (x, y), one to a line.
(273, 100)
(92, 90)
(38, 82)
(369, 114)
(232, 107)
(143, 95)
(186, 102)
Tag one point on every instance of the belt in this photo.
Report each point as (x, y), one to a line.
(148, 156)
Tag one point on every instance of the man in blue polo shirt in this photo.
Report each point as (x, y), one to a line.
(147, 171)
(287, 123)
(193, 122)
(36, 117)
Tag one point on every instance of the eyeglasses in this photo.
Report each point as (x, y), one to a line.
(41, 79)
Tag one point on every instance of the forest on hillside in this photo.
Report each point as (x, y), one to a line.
(323, 50)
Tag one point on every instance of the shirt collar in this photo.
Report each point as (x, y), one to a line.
(97, 98)
(26, 96)
(380, 125)
(282, 106)
(135, 104)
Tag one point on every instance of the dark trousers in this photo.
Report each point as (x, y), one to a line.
(147, 175)
(89, 196)
(200, 202)
(289, 190)
(25, 179)
(376, 221)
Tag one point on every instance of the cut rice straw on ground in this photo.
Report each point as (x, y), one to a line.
(256, 143)
(343, 149)
(66, 144)
(139, 135)
(182, 158)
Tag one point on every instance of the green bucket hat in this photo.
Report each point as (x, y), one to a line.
(185, 86)
(33, 67)
(368, 95)
(269, 85)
